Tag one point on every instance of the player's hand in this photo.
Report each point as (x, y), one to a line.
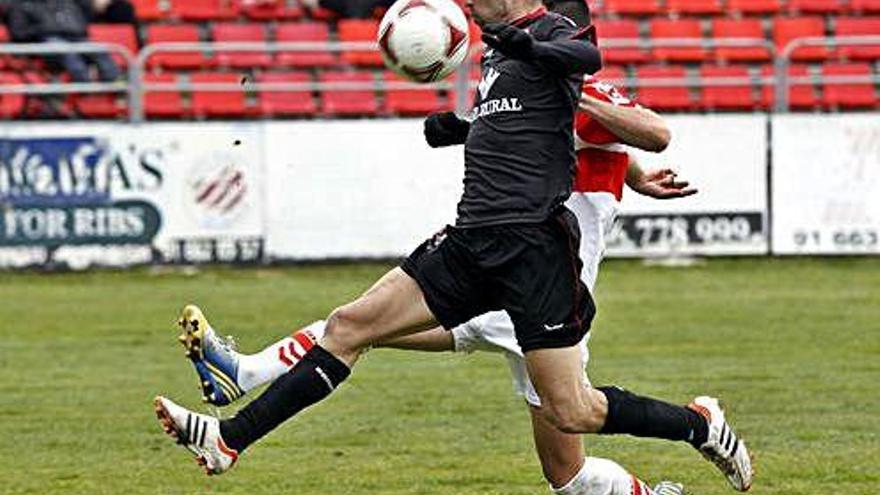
(662, 184)
(445, 129)
(509, 40)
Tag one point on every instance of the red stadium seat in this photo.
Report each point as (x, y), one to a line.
(677, 29)
(163, 104)
(801, 96)
(226, 103)
(694, 7)
(727, 29)
(849, 95)
(205, 10)
(11, 105)
(787, 29)
(417, 102)
(323, 15)
(632, 7)
(349, 102)
(315, 32)
(5, 60)
(149, 10)
(737, 97)
(166, 33)
(252, 33)
(815, 6)
(676, 97)
(271, 10)
(115, 34)
(100, 106)
(358, 31)
(287, 103)
(753, 7)
(626, 29)
(865, 6)
(859, 26)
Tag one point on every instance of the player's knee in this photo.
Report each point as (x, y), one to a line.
(574, 416)
(343, 326)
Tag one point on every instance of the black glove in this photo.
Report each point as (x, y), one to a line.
(511, 41)
(445, 129)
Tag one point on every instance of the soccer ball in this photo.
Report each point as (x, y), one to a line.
(423, 40)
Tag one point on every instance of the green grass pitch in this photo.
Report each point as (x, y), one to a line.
(792, 346)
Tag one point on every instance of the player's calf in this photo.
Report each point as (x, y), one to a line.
(581, 412)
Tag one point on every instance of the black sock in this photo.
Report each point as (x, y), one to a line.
(309, 382)
(645, 417)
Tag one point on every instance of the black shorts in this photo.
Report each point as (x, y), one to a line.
(532, 271)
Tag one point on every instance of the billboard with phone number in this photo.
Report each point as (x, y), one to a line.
(826, 184)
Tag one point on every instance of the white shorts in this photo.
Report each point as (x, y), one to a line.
(596, 214)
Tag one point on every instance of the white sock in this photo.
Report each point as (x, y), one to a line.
(277, 359)
(603, 477)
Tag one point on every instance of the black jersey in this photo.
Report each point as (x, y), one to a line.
(519, 154)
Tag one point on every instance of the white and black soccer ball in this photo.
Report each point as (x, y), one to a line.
(424, 40)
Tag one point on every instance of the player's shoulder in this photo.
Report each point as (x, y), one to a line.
(553, 26)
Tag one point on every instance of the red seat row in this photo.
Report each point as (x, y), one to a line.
(742, 89)
(314, 32)
(784, 30)
(746, 7)
(285, 103)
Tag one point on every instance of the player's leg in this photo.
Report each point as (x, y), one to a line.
(394, 307)
(549, 306)
(561, 454)
(612, 410)
(391, 308)
(225, 374)
(570, 473)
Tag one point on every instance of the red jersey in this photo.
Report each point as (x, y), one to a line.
(602, 160)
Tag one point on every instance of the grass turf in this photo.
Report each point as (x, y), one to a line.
(791, 345)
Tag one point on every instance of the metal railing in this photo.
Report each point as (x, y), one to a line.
(84, 48)
(138, 65)
(784, 82)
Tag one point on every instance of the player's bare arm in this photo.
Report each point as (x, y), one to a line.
(636, 126)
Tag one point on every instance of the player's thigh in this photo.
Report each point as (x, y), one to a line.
(393, 307)
(561, 454)
(567, 401)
